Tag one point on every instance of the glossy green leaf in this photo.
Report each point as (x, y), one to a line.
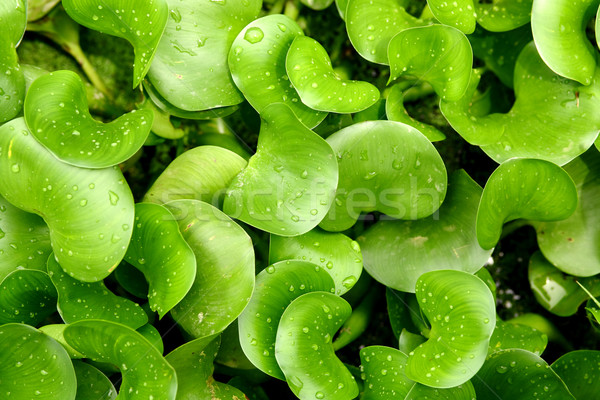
(225, 268)
(159, 251)
(24, 240)
(317, 4)
(13, 19)
(459, 14)
(518, 374)
(55, 331)
(385, 166)
(572, 244)
(559, 32)
(145, 373)
(303, 347)
(26, 296)
(231, 354)
(140, 22)
(92, 384)
(341, 6)
(438, 54)
(82, 300)
(503, 15)
(34, 366)
(384, 369)
(309, 69)
(580, 371)
(56, 112)
(36, 9)
(337, 254)
(399, 311)
(153, 336)
(12, 80)
(408, 341)
(276, 287)
(396, 253)
(516, 336)
(288, 186)
(257, 64)
(132, 280)
(190, 66)
(462, 313)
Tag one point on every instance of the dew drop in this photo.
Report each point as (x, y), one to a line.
(254, 35)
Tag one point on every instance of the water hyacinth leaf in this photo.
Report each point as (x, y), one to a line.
(438, 54)
(12, 80)
(13, 19)
(132, 280)
(37, 9)
(55, 331)
(336, 253)
(371, 24)
(399, 311)
(140, 22)
(202, 173)
(408, 341)
(503, 15)
(381, 169)
(92, 384)
(309, 68)
(198, 35)
(516, 336)
(231, 354)
(145, 373)
(257, 64)
(518, 374)
(26, 296)
(304, 351)
(288, 185)
(225, 268)
(317, 4)
(56, 112)
(523, 188)
(341, 6)
(396, 253)
(572, 244)
(276, 287)
(88, 244)
(559, 33)
(459, 14)
(34, 366)
(24, 240)
(462, 313)
(153, 336)
(159, 251)
(82, 300)
(580, 371)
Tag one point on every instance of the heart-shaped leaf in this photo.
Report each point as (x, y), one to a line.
(518, 374)
(12, 80)
(190, 66)
(516, 336)
(304, 351)
(288, 185)
(462, 313)
(523, 188)
(159, 251)
(140, 22)
(55, 331)
(337, 254)
(26, 296)
(276, 287)
(381, 169)
(56, 112)
(438, 54)
(145, 373)
(34, 366)
(82, 300)
(309, 68)
(88, 245)
(225, 264)
(257, 63)
(580, 371)
(92, 384)
(13, 19)
(396, 253)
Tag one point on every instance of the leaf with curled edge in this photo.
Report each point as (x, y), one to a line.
(26, 296)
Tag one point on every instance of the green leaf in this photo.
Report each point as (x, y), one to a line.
(225, 265)
(12, 80)
(408, 341)
(24, 240)
(459, 14)
(37, 9)
(159, 251)
(26, 296)
(516, 336)
(153, 336)
(337, 254)
(34, 366)
(304, 351)
(503, 15)
(57, 114)
(523, 188)
(140, 22)
(446, 240)
(276, 287)
(309, 68)
(13, 19)
(92, 384)
(317, 4)
(399, 311)
(438, 54)
(145, 373)
(288, 186)
(257, 64)
(580, 371)
(132, 280)
(385, 166)
(518, 374)
(89, 212)
(462, 313)
(190, 66)
(559, 32)
(55, 331)
(82, 300)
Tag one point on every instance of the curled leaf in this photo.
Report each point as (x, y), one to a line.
(92, 384)
(26, 296)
